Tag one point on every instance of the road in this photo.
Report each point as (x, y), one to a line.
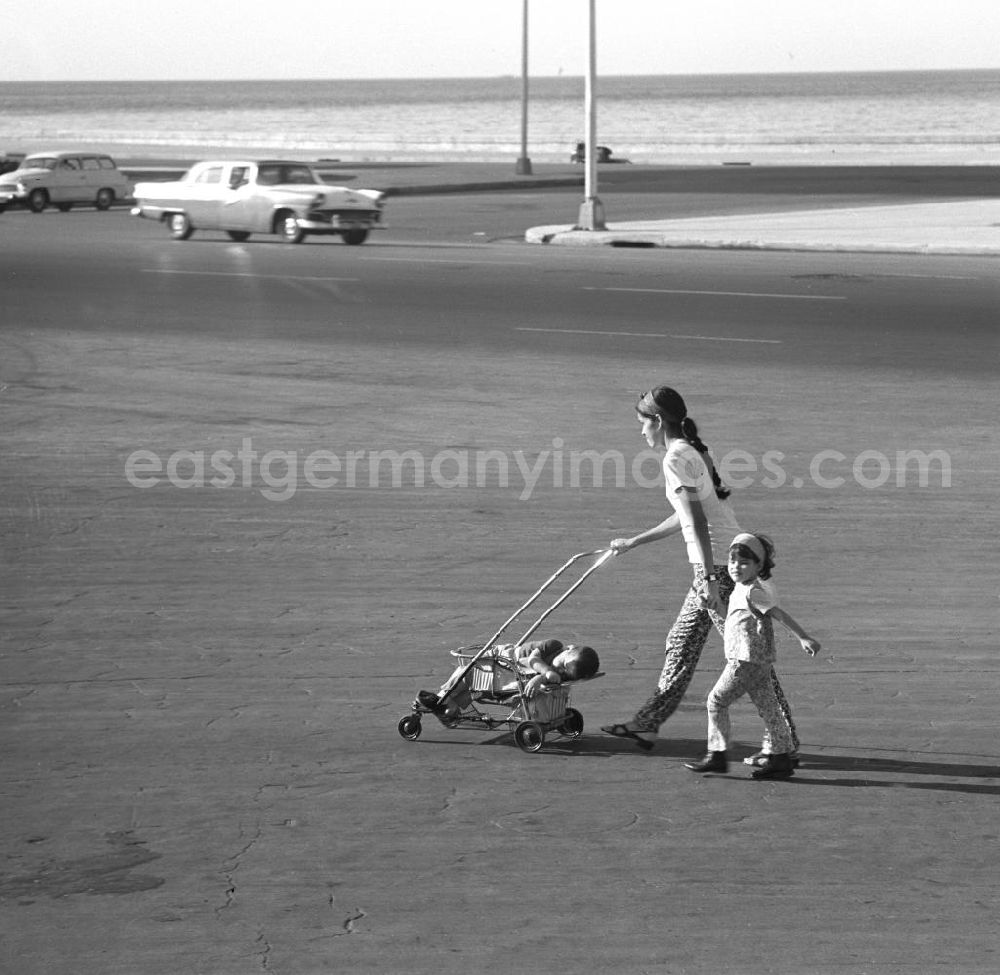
(254, 493)
(886, 311)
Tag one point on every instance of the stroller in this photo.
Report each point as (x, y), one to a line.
(494, 685)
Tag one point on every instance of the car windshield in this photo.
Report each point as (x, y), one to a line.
(275, 174)
(39, 162)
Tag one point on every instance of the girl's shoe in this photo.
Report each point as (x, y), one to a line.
(642, 739)
(712, 762)
(775, 767)
(758, 758)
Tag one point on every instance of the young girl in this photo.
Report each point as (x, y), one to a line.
(703, 515)
(749, 639)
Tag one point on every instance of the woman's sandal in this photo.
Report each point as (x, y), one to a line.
(624, 731)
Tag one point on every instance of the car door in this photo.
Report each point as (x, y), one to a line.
(90, 179)
(204, 197)
(65, 179)
(236, 207)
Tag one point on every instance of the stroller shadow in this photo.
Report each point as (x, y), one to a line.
(597, 745)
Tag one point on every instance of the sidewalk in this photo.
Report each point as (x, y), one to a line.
(960, 227)
(968, 227)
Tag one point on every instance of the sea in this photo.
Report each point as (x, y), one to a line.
(904, 117)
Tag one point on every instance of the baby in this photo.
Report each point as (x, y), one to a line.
(553, 662)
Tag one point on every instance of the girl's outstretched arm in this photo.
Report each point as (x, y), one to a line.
(810, 645)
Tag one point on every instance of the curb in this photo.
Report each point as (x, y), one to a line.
(572, 237)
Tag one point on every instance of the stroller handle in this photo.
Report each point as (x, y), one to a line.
(603, 554)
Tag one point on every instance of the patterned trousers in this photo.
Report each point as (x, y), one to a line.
(742, 677)
(685, 642)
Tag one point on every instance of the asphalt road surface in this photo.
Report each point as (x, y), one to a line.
(253, 494)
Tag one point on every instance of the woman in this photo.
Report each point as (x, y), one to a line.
(701, 512)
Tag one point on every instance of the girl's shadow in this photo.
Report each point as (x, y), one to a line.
(871, 768)
(869, 772)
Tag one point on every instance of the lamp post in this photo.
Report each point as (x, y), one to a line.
(523, 167)
(591, 210)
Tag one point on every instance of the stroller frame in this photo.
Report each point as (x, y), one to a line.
(528, 718)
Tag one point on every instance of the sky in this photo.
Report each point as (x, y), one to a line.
(209, 39)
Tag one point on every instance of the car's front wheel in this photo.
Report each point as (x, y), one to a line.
(180, 226)
(356, 235)
(105, 197)
(288, 227)
(38, 200)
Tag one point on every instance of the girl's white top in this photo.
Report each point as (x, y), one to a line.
(749, 632)
(684, 467)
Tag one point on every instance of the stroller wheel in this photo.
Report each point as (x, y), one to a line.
(529, 735)
(572, 726)
(409, 727)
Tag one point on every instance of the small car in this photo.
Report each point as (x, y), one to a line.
(601, 153)
(268, 196)
(9, 161)
(64, 179)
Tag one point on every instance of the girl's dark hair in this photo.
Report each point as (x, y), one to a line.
(769, 554)
(669, 405)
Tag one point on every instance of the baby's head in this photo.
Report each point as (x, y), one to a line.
(753, 548)
(578, 663)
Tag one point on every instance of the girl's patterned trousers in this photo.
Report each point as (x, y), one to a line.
(685, 641)
(742, 677)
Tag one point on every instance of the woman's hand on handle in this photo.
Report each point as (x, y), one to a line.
(665, 528)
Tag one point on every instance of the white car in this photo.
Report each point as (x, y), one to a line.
(270, 196)
(63, 179)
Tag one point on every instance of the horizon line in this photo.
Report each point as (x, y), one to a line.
(511, 76)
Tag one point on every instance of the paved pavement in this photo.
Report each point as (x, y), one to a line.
(970, 227)
(202, 773)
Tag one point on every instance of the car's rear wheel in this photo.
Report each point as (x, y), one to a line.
(288, 227)
(105, 197)
(38, 200)
(356, 235)
(64, 207)
(238, 235)
(180, 226)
